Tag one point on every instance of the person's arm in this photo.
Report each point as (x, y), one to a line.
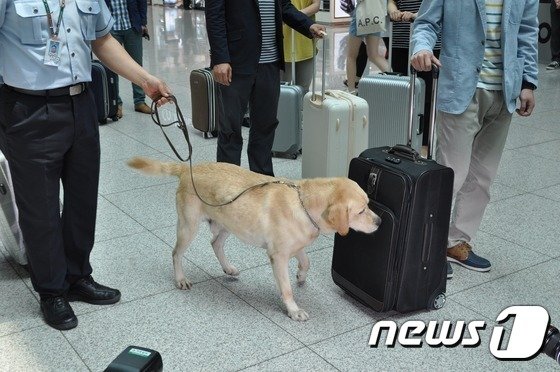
(112, 54)
(527, 49)
(299, 21)
(394, 13)
(215, 13)
(313, 8)
(427, 26)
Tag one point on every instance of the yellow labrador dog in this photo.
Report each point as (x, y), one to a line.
(281, 216)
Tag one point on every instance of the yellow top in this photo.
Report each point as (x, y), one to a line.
(304, 45)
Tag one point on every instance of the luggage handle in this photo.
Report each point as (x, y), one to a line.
(431, 124)
(324, 52)
(405, 151)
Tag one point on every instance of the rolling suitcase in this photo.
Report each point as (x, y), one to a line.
(386, 95)
(402, 266)
(205, 105)
(287, 138)
(335, 130)
(104, 83)
(10, 234)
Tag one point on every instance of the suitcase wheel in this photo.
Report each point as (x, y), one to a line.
(102, 121)
(439, 301)
(115, 118)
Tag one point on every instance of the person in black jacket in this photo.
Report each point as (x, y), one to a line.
(129, 27)
(246, 54)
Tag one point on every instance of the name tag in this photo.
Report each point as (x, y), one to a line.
(52, 53)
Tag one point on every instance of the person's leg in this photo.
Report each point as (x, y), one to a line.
(304, 74)
(133, 45)
(399, 60)
(80, 178)
(264, 109)
(474, 195)
(353, 48)
(232, 101)
(36, 133)
(361, 60)
(372, 43)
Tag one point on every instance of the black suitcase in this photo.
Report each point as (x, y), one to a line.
(204, 101)
(402, 266)
(104, 83)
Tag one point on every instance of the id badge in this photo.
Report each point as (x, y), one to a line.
(52, 54)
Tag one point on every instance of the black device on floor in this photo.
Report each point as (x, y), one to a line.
(136, 359)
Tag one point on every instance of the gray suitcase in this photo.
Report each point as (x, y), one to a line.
(387, 96)
(204, 101)
(287, 139)
(10, 233)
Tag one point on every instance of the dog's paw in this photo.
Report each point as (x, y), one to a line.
(231, 270)
(299, 315)
(183, 284)
(301, 276)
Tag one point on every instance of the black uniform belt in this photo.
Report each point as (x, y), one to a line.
(71, 90)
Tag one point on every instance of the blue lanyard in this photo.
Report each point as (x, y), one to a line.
(53, 32)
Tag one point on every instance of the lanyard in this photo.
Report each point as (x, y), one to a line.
(54, 34)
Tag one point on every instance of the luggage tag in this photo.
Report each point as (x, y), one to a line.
(52, 52)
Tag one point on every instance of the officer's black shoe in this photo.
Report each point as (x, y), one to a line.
(87, 290)
(58, 313)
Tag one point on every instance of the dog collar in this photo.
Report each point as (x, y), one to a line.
(294, 186)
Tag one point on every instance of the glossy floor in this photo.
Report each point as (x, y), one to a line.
(240, 324)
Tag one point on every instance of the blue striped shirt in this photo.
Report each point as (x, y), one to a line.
(269, 49)
(491, 75)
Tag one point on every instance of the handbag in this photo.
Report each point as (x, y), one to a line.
(371, 16)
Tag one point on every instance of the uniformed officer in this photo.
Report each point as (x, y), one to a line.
(49, 132)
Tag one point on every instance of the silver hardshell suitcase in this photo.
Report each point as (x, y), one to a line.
(387, 97)
(287, 138)
(10, 234)
(335, 130)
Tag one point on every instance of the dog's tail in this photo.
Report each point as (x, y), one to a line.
(155, 167)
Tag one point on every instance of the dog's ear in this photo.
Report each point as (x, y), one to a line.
(336, 215)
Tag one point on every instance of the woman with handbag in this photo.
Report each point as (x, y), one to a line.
(372, 45)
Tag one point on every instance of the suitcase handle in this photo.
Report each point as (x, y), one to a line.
(431, 124)
(405, 151)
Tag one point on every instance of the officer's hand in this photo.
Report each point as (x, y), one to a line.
(423, 60)
(222, 73)
(157, 90)
(318, 31)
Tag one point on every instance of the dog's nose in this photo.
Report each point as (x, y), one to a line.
(376, 220)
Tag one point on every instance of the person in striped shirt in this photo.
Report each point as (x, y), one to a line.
(488, 62)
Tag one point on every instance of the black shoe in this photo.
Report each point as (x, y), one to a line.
(58, 313)
(87, 290)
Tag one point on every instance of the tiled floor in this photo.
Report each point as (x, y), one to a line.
(235, 324)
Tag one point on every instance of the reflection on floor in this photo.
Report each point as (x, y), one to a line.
(235, 324)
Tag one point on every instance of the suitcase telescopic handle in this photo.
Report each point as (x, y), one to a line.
(323, 72)
(411, 104)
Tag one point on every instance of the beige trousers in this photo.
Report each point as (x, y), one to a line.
(471, 144)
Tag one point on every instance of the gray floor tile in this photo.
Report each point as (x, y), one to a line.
(506, 258)
(113, 222)
(499, 192)
(117, 176)
(117, 146)
(204, 329)
(39, 349)
(552, 192)
(535, 286)
(528, 220)
(138, 265)
(296, 361)
(350, 351)
(19, 309)
(152, 206)
(523, 135)
(548, 150)
(319, 296)
(527, 172)
(545, 120)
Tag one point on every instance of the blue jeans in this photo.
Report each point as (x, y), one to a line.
(132, 43)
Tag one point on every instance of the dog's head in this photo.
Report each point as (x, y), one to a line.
(348, 209)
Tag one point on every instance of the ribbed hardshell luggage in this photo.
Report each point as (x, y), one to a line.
(10, 233)
(287, 138)
(386, 96)
(335, 130)
(204, 101)
(401, 266)
(105, 89)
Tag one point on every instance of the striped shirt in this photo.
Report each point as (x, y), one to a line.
(269, 49)
(491, 75)
(120, 14)
(401, 30)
